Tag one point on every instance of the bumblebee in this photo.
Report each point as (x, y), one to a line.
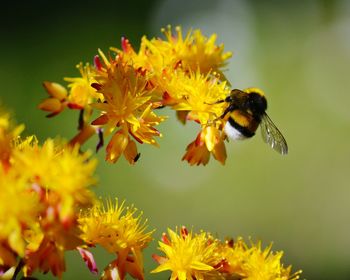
(245, 112)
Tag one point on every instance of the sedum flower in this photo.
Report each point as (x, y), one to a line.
(62, 170)
(190, 53)
(56, 102)
(119, 230)
(188, 256)
(208, 141)
(195, 94)
(79, 96)
(19, 209)
(9, 133)
(183, 72)
(195, 51)
(59, 183)
(254, 263)
(128, 107)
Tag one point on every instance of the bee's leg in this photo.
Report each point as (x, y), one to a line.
(227, 110)
(216, 102)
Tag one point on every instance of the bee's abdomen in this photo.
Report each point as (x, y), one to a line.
(241, 125)
(237, 131)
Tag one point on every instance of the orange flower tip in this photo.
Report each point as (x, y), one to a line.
(75, 106)
(89, 260)
(159, 259)
(97, 64)
(96, 86)
(167, 99)
(136, 138)
(112, 158)
(184, 231)
(178, 64)
(55, 90)
(165, 238)
(142, 71)
(67, 222)
(230, 242)
(101, 120)
(126, 46)
(50, 105)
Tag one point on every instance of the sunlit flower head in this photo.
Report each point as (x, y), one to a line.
(128, 106)
(196, 94)
(189, 53)
(210, 141)
(57, 100)
(148, 58)
(19, 209)
(9, 133)
(195, 51)
(254, 263)
(188, 256)
(47, 257)
(114, 227)
(62, 170)
(119, 230)
(79, 95)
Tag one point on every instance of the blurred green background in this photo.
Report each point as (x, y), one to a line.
(298, 52)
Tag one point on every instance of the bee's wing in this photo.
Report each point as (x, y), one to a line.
(272, 136)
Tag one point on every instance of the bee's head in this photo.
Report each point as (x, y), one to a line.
(256, 101)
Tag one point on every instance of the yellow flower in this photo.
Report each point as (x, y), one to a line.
(48, 257)
(60, 169)
(81, 93)
(61, 179)
(253, 263)
(9, 133)
(266, 264)
(195, 51)
(79, 96)
(119, 230)
(148, 57)
(19, 209)
(114, 227)
(189, 256)
(190, 53)
(57, 101)
(128, 104)
(195, 94)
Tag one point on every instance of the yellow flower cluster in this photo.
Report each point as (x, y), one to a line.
(47, 207)
(41, 189)
(119, 231)
(182, 72)
(200, 256)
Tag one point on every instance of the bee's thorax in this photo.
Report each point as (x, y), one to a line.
(257, 104)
